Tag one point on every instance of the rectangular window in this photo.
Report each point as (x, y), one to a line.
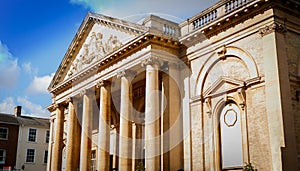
(3, 133)
(32, 135)
(93, 161)
(2, 156)
(30, 155)
(47, 136)
(46, 156)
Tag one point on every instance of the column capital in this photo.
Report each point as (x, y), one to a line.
(274, 27)
(58, 105)
(150, 61)
(52, 107)
(103, 83)
(69, 99)
(174, 65)
(85, 92)
(126, 73)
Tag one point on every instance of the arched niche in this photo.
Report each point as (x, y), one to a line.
(228, 62)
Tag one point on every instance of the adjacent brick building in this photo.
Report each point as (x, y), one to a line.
(9, 131)
(23, 142)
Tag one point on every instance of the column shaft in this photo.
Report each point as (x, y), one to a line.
(104, 129)
(175, 120)
(86, 135)
(125, 126)
(133, 146)
(152, 151)
(71, 163)
(58, 142)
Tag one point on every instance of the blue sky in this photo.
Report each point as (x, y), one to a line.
(34, 36)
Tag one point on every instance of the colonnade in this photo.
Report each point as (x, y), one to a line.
(79, 149)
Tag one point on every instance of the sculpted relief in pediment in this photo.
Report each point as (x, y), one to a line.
(95, 49)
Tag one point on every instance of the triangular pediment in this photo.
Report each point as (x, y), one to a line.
(223, 85)
(97, 37)
(100, 42)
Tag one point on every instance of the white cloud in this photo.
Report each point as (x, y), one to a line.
(29, 69)
(33, 109)
(7, 105)
(40, 84)
(28, 108)
(177, 10)
(9, 69)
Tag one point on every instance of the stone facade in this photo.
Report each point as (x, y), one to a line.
(212, 93)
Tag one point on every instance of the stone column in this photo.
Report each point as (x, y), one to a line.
(175, 119)
(152, 117)
(125, 146)
(165, 121)
(104, 126)
(86, 132)
(71, 163)
(133, 146)
(115, 153)
(58, 141)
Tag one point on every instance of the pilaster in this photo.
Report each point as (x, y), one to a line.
(175, 118)
(278, 98)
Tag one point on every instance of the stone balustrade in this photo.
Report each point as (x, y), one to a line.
(217, 11)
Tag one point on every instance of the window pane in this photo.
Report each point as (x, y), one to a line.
(47, 136)
(231, 137)
(32, 135)
(30, 155)
(3, 133)
(2, 156)
(46, 156)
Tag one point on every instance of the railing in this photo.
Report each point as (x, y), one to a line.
(205, 19)
(169, 30)
(219, 11)
(234, 4)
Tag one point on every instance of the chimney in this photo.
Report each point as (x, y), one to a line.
(18, 111)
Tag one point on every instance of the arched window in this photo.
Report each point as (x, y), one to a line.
(231, 145)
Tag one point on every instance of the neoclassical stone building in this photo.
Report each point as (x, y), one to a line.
(214, 92)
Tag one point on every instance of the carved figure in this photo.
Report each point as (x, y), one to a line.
(100, 47)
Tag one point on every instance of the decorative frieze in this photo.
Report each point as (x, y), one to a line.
(274, 27)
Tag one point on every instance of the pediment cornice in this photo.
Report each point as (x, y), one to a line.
(214, 89)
